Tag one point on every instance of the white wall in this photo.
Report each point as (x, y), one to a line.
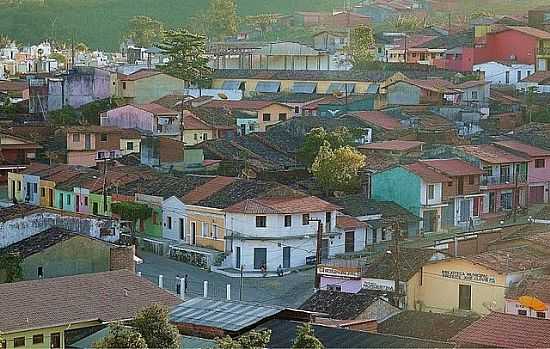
(175, 209)
(424, 200)
(496, 72)
(337, 243)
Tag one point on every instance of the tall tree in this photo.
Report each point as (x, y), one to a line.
(250, 340)
(132, 211)
(305, 338)
(338, 170)
(222, 19)
(318, 136)
(361, 46)
(187, 52)
(261, 22)
(144, 31)
(121, 337)
(154, 325)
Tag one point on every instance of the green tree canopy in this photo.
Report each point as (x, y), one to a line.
(132, 211)
(121, 337)
(250, 340)
(187, 52)
(305, 338)
(144, 31)
(154, 325)
(67, 116)
(361, 46)
(221, 19)
(338, 169)
(315, 138)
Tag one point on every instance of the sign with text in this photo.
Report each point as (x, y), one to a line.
(467, 276)
(347, 272)
(378, 285)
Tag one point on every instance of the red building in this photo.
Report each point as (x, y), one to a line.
(519, 44)
(15, 152)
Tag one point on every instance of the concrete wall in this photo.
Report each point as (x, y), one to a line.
(338, 243)
(155, 87)
(407, 195)
(496, 72)
(129, 116)
(402, 93)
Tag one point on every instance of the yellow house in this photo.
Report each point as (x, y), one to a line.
(15, 186)
(144, 86)
(47, 313)
(207, 226)
(474, 283)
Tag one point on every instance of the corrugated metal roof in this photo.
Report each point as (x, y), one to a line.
(373, 89)
(225, 315)
(341, 87)
(231, 84)
(304, 87)
(268, 86)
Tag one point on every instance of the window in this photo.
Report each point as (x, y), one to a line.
(266, 117)
(205, 136)
(328, 220)
(288, 220)
(541, 315)
(169, 222)
(76, 137)
(528, 73)
(383, 235)
(100, 155)
(85, 201)
(471, 180)
(103, 137)
(124, 86)
(519, 76)
(506, 201)
(296, 110)
(334, 288)
(349, 245)
(522, 312)
(130, 146)
(38, 339)
(431, 192)
(488, 171)
(19, 185)
(68, 199)
(204, 229)
(305, 219)
(540, 163)
(450, 184)
(40, 272)
(195, 136)
(35, 188)
(215, 231)
(261, 221)
(42, 192)
(507, 77)
(154, 217)
(19, 342)
(474, 94)
(282, 116)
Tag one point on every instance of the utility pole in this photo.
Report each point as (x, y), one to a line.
(241, 284)
(318, 251)
(104, 187)
(516, 192)
(396, 277)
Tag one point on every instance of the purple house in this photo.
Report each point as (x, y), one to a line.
(538, 168)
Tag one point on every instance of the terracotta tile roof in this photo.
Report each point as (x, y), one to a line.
(499, 330)
(426, 173)
(525, 149)
(94, 129)
(511, 259)
(155, 109)
(242, 104)
(540, 239)
(379, 119)
(436, 85)
(13, 85)
(538, 77)
(348, 222)
(414, 41)
(190, 122)
(453, 167)
(383, 266)
(140, 74)
(39, 242)
(340, 305)
(35, 167)
(491, 154)
(537, 33)
(108, 296)
(281, 205)
(534, 286)
(471, 83)
(206, 190)
(17, 210)
(393, 145)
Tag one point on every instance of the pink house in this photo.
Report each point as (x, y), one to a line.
(538, 170)
(151, 117)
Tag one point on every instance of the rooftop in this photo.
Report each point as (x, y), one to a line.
(138, 75)
(511, 260)
(204, 191)
(412, 260)
(453, 167)
(523, 148)
(281, 205)
(155, 109)
(38, 242)
(116, 295)
(537, 33)
(17, 210)
(340, 305)
(426, 173)
(349, 223)
(164, 186)
(13, 85)
(534, 286)
(359, 206)
(396, 145)
(491, 154)
(378, 118)
(538, 77)
(506, 331)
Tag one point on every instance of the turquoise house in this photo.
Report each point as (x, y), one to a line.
(65, 200)
(417, 188)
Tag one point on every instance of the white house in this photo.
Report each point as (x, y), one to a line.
(504, 73)
(540, 82)
(351, 236)
(276, 231)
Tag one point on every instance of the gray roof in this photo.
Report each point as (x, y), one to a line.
(231, 84)
(225, 315)
(341, 87)
(304, 87)
(268, 86)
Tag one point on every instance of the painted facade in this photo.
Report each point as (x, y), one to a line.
(148, 88)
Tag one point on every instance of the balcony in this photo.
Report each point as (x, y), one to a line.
(168, 130)
(499, 180)
(543, 51)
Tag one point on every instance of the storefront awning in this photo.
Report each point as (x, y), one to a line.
(268, 86)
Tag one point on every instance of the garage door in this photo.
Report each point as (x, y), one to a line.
(536, 195)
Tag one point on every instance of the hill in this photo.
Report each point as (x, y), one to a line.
(99, 23)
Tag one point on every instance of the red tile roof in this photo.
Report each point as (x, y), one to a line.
(190, 122)
(436, 85)
(453, 167)
(108, 297)
(525, 149)
(282, 205)
(491, 154)
(349, 223)
(537, 33)
(413, 41)
(501, 330)
(140, 74)
(426, 173)
(534, 286)
(379, 119)
(393, 145)
(538, 77)
(155, 109)
(13, 86)
(204, 191)
(511, 260)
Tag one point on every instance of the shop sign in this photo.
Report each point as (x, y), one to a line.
(339, 271)
(467, 276)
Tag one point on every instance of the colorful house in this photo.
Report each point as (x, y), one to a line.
(421, 194)
(538, 172)
(145, 86)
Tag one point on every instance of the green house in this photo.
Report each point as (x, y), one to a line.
(98, 206)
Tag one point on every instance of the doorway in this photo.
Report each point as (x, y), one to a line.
(350, 241)
(193, 233)
(324, 249)
(182, 229)
(286, 257)
(55, 340)
(464, 210)
(238, 257)
(260, 258)
(465, 297)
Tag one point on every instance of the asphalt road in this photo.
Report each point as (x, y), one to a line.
(289, 291)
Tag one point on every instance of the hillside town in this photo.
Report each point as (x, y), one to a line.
(375, 176)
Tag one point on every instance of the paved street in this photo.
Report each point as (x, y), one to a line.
(290, 290)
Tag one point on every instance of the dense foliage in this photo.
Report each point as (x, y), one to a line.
(132, 211)
(305, 338)
(154, 325)
(318, 136)
(121, 337)
(250, 340)
(10, 267)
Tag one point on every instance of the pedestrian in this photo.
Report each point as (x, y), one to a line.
(263, 269)
(178, 285)
(279, 270)
(186, 282)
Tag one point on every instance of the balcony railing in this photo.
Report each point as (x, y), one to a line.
(169, 129)
(543, 51)
(496, 180)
